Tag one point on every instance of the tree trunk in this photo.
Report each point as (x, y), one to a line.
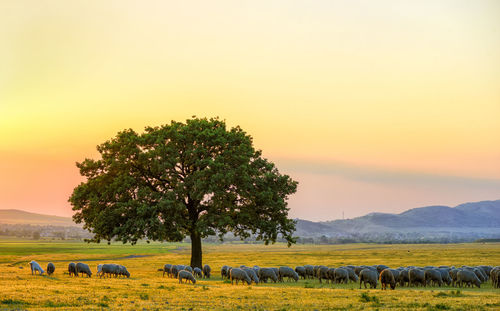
(196, 250)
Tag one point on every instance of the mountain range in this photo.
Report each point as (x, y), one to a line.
(476, 217)
(481, 216)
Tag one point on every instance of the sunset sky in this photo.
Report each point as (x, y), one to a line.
(373, 106)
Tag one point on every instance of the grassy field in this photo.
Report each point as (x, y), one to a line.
(146, 289)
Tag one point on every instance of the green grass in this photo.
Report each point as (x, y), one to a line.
(147, 289)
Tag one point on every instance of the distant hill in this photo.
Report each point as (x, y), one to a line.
(14, 216)
(465, 222)
(469, 217)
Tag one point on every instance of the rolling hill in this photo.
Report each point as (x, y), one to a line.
(14, 216)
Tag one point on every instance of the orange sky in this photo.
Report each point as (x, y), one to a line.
(370, 105)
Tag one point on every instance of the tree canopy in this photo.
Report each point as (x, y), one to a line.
(183, 179)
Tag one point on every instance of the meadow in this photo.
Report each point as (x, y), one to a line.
(146, 289)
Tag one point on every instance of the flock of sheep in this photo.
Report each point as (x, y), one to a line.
(371, 275)
(75, 269)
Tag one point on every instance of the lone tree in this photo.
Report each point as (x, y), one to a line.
(183, 179)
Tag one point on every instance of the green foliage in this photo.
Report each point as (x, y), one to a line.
(439, 306)
(12, 302)
(144, 296)
(452, 293)
(364, 297)
(182, 179)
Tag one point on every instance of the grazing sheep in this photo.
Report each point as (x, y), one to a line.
(186, 275)
(50, 268)
(166, 269)
(251, 273)
(486, 269)
(301, 271)
(404, 277)
(224, 272)
(83, 269)
(267, 273)
(188, 268)
(109, 269)
(445, 275)
(322, 273)
(387, 277)
(287, 272)
(72, 269)
(122, 270)
(309, 271)
(99, 271)
(197, 272)
(352, 275)
(453, 275)
(368, 276)
(416, 276)
(495, 277)
(395, 273)
(433, 277)
(468, 277)
(238, 274)
(174, 271)
(331, 274)
(36, 267)
(206, 271)
(480, 274)
(341, 276)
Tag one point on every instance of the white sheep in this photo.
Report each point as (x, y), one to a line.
(36, 267)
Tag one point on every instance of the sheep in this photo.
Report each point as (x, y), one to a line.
(251, 273)
(188, 268)
(238, 274)
(122, 270)
(331, 274)
(467, 277)
(99, 270)
(387, 277)
(404, 277)
(109, 269)
(445, 275)
(352, 275)
(287, 272)
(495, 277)
(186, 275)
(341, 275)
(174, 271)
(368, 276)
(50, 268)
(322, 273)
(83, 269)
(36, 267)
(267, 273)
(301, 271)
(72, 269)
(416, 276)
(433, 277)
(453, 275)
(480, 274)
(206, 271)
(197, 272)
(166, 269)
(309, 271)
(224, 272)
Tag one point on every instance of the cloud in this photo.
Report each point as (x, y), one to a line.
(370, 174)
